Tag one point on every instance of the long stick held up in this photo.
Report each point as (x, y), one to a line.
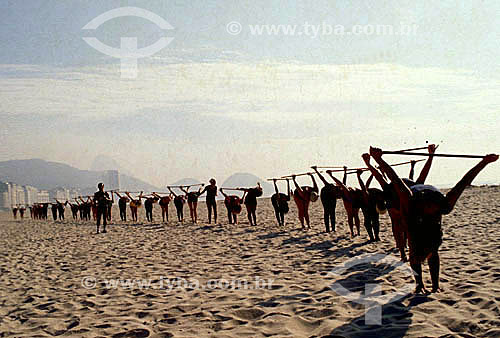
(297, 175)
(413, 149)
(435, 155)
(185, 186)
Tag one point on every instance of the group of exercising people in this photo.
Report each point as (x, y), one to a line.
(415, 209)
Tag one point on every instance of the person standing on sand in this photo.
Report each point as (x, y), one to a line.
(101, 201)
(392, 198)
(53, 208)
(280, 202)
(179, 201)
(22, 209)
(60, 209)
(211, 191)
(233, 206)
(328, 195)
(122, 205)
(251, 202)
(134, 205)
(421, 209)
(148, 207)
(302, 197)
(14, 211)
(352, 199)
(163, 202)
(192, 199)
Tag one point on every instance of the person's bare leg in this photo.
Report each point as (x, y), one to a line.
(306, 217)
(417, 269)
(351, 223)
(434, 270)
(356, 220)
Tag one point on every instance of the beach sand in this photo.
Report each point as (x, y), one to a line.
(43, 265)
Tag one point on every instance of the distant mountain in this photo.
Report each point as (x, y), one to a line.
(245, 180)
(46, 175)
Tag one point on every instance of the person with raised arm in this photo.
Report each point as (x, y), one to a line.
(302, 197)
(74, 210)
(163, 202)
(211, 191)
(148, 207)
(373, 205)
(233, 206)
(392, 199)
(53, 208)
(280, 202)
(251, 202)
(352, 199)
(179, 201)
(192, 200)
(61, 209)
(122, 205)
(134, 205)
(328, 195)
(421, 208)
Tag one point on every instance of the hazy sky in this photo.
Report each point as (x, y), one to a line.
(212, 103)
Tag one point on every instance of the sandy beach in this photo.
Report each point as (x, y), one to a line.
(56, 278)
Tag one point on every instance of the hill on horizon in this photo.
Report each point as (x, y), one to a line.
(246, 180)
(48, 175)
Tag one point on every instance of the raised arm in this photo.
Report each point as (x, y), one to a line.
(369, 181)
(117, 194)
(342, 186)
(431, 148)
(412, 169)
(378, 176)
(223, 193)
(299, 189)
(360, 180)
(184, 190)
(453, 195)
(288, 190)
(276, 191)
(404, 192)
(128, 194)
(315, 186)
(344, 180)
(315, 168)
(172, 192)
